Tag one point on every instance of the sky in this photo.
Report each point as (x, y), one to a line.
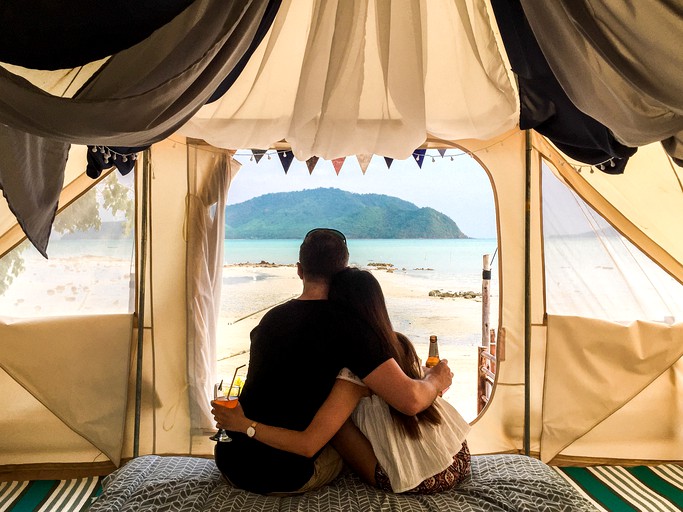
(457, 187)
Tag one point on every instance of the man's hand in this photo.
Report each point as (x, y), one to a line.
(440, 375)
(232, 419)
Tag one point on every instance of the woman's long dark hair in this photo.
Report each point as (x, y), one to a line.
(359, 290)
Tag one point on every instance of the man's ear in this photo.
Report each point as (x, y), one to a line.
(299, 272)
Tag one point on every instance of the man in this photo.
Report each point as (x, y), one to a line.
(297, 350)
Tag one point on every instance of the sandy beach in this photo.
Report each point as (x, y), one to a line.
(456, 321)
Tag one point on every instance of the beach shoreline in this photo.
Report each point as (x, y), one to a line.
(455, 320)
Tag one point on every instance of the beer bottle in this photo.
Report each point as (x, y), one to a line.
(433, 358)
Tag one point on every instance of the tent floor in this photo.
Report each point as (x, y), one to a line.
(608, 488)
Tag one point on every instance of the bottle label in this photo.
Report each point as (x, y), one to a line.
(433, 358)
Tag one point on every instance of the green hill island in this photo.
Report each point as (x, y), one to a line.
(285, 215)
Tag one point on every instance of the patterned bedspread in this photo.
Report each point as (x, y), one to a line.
(510, 483)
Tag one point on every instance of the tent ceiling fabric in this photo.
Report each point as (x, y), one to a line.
(337, 78)
(64, 83)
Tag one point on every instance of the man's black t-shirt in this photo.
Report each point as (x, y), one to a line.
(297, 351)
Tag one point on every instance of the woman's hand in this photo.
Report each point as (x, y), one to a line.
(442, 376)
(232, 419)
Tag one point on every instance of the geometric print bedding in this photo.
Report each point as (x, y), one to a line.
(638, 488)
(499, 483)
(506, 482)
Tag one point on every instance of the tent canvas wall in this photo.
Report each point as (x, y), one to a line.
(614, 427)
(592, 386)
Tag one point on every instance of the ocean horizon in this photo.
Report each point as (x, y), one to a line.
(455, 261)
(431, 258)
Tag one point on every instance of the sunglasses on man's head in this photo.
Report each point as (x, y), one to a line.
(335, 232)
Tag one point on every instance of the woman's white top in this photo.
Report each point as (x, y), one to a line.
(408, 461)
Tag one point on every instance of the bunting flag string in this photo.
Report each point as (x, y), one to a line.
(364, 161)
(337, 164)
(603, 166)
(286, 159)
(258, 154)
(419, 156)
(310, 163)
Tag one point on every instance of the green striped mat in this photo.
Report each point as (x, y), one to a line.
(625, 489)
(49, 495)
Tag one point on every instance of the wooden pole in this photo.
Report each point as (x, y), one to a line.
(493, 347)
(527, 298)
(485, 300)
(481, 380)
(142, 280)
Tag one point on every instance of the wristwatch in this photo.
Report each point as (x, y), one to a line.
(251, 430)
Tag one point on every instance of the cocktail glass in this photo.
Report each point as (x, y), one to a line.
(230, 401)
(223, 401)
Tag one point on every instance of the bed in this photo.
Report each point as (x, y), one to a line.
(510, 483)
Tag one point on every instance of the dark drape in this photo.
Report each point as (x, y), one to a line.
(44, 34)
(97, 157)
(619, 62)
(544, 106)
(140, 96)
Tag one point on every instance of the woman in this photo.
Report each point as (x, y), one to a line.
(421, 454)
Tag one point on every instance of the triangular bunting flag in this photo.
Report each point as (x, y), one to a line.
(310, 163)
(364, 161)
(337, 163)
(389, 161)
(286, 158)
(258, 154)
(419, 156)
(442, 152)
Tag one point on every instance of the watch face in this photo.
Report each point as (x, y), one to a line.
(251, 431)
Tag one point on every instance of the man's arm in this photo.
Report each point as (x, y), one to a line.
(407, 395)
(336, 409)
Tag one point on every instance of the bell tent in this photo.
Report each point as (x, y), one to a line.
(568, 99)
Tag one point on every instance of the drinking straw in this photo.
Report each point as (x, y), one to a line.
(218, 388)
(234, 376)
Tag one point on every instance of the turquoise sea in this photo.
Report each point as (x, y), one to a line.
(451, 259)
(97, 274)
(458, 260)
